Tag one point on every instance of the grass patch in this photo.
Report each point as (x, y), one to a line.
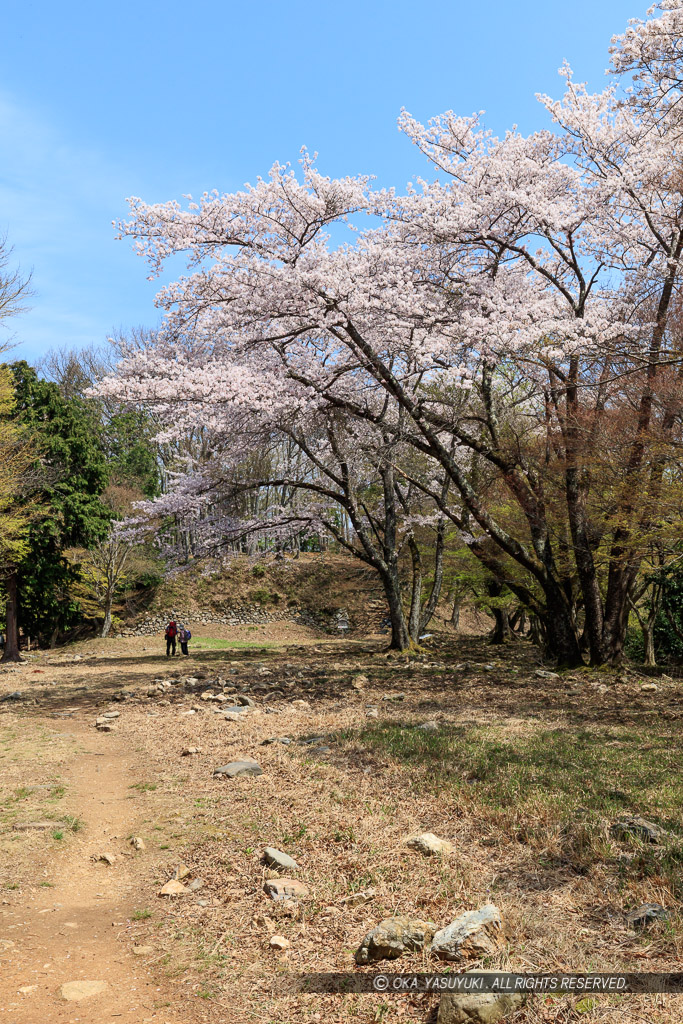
(215, 643)
(142, 915)
(556, 771)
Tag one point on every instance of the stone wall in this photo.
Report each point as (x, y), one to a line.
(240, 615)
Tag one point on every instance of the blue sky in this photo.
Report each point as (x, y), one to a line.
(102, 101)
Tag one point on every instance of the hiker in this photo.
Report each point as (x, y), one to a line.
(171, 633)
(184, 636)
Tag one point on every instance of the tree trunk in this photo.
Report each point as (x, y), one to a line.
(416, 591)
(54, 637)
(455, 614)
(11, 652)
(649, 639)
(400, 636)
(106, 626)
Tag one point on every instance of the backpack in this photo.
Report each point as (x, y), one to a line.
(171, 630)
(188, 635)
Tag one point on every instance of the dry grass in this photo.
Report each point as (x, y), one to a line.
(524, 776)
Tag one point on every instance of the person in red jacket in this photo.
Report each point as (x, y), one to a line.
(171, 633)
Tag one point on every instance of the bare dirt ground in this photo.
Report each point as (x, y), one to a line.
(512, 755)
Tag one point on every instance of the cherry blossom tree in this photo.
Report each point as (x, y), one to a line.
(512, 321)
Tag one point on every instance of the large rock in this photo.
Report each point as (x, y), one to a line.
(638, 828)
(238, 768)
(429, 845)
(477, 1007)
(474, 934)
(278, 859)
(641, 917)
(74, 991)
(393, 937)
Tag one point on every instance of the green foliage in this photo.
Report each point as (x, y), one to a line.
(68, 478)
(668, 631)
(130, 452)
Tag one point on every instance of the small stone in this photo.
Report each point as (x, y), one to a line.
(649, 688)
(285, 888)
(34, 826)
(238, 768)
(428, 727)
(137, 843)
(647, 914)
(106, 727)
(73, 991)
(142, 950)
(182, 871)
(247, 702)
(543, 674)
(638, 828)
(474, 934)
(174, 888)
(28, 990)
(111, 714)
(278, 859)
(284, 740)
(279, 942)
(303, 704)
(105, 858)
(393, 937)
(188, 751)
(372, 713)
(394, 697)
(477, 1007)
(196, 884)
(429, 845)
(358, 899)
(358, 682)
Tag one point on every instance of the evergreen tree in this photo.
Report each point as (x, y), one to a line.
(70, 476)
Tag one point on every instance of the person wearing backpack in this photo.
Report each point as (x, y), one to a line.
(171, 633)
(184, 636)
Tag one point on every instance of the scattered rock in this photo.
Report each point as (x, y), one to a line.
(393, 937)
(174, 888)
(27, 990)
(358, 682)
(74, 991)
(649, 688)
(182, 871)
(247, 702)
(301, 704)
(278, 859)
(16, 695)
(238, 768)
(428, 727)
(284, 740)
(358, 899)
(474, 934)
(106, 858)
(394, 697)
(188, 751)
(34, 826)
(137, 843)
(106, 726)
(371, 713)
(142, 950)
(637, 828)
(111, 714)
(285, 888)
(196, 884)
(232, 716)
(477, 1007)
(429, 845)
(279, 942)
(647, 914)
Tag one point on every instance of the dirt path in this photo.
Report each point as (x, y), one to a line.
(77, 930)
